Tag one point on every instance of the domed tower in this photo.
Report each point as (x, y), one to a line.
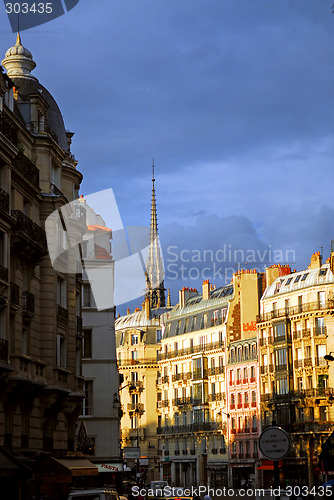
(40, 307)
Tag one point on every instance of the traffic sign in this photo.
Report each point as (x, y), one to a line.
(274, 443)
(131, 452)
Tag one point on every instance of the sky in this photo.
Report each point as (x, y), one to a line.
(232, 99)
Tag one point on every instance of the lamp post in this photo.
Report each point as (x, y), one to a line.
(137, 414)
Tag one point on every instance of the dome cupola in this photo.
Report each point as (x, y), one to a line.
(19, 61)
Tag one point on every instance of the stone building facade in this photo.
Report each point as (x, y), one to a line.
(295, 332)
(40, 317)
(198, 442)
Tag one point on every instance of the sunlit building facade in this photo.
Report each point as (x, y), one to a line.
(295, 332)
(193, 391)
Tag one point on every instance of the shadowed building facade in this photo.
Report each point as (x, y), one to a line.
(41, 386)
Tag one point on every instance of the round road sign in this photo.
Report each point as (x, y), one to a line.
(274, 443)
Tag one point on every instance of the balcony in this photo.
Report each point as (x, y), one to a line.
(8, 128)
(28, 237)
(4, 201)
(136, 408)
(142, 361)
(200, 374)
(189, 428)
(4, 350)
(136, 386)
(191, 350)
(165, 379)
(298, 309)
(28, 304)
(181, 401)
(216, 370)
(177, 376)
(26, 168)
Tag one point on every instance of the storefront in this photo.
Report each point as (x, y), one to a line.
(217, 475)
(14, 477)
(56, 476)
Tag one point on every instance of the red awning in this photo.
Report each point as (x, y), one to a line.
(269, 465)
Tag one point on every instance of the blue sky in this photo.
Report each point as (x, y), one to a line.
(233, 99)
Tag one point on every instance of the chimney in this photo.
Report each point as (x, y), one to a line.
(185, 294)
(128, 311)
(316, 261)
(147, 308)
(275, 271)
(206, 289)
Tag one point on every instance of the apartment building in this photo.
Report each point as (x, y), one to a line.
(295, 332)
(40, 330)
(100, 414)
(195, 420)
(138, 337)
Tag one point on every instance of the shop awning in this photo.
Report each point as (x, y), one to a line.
(269, 465)
(10, 466)
(78, 466)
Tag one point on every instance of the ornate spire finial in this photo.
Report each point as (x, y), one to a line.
(154, 266)
(168, 299)
(18, 39)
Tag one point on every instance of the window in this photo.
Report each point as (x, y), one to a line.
(300, 303)
(253, 396)
(297, 278)
(320, 326)
(86, 295)
(288, 281)
(87, 343)
(304, 277)
(280, 358)
(246, 398)
(279, 331)
(321, 300)
(134, 339)
(134, 356)
(252, 372)
(286, 306)
(245, 374)
(322, 272)
(24, 341)
(282, 386)
(61, 351)
(323, 413)
(254, 422)
(159, 335)
(61, 292)
(87, 404)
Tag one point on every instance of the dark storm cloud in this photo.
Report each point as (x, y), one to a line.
(233, 98)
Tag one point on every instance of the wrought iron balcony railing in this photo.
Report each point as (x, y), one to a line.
(4, 201)
(27, 168)
(8, 128)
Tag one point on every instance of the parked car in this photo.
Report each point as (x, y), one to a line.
(94, 494)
